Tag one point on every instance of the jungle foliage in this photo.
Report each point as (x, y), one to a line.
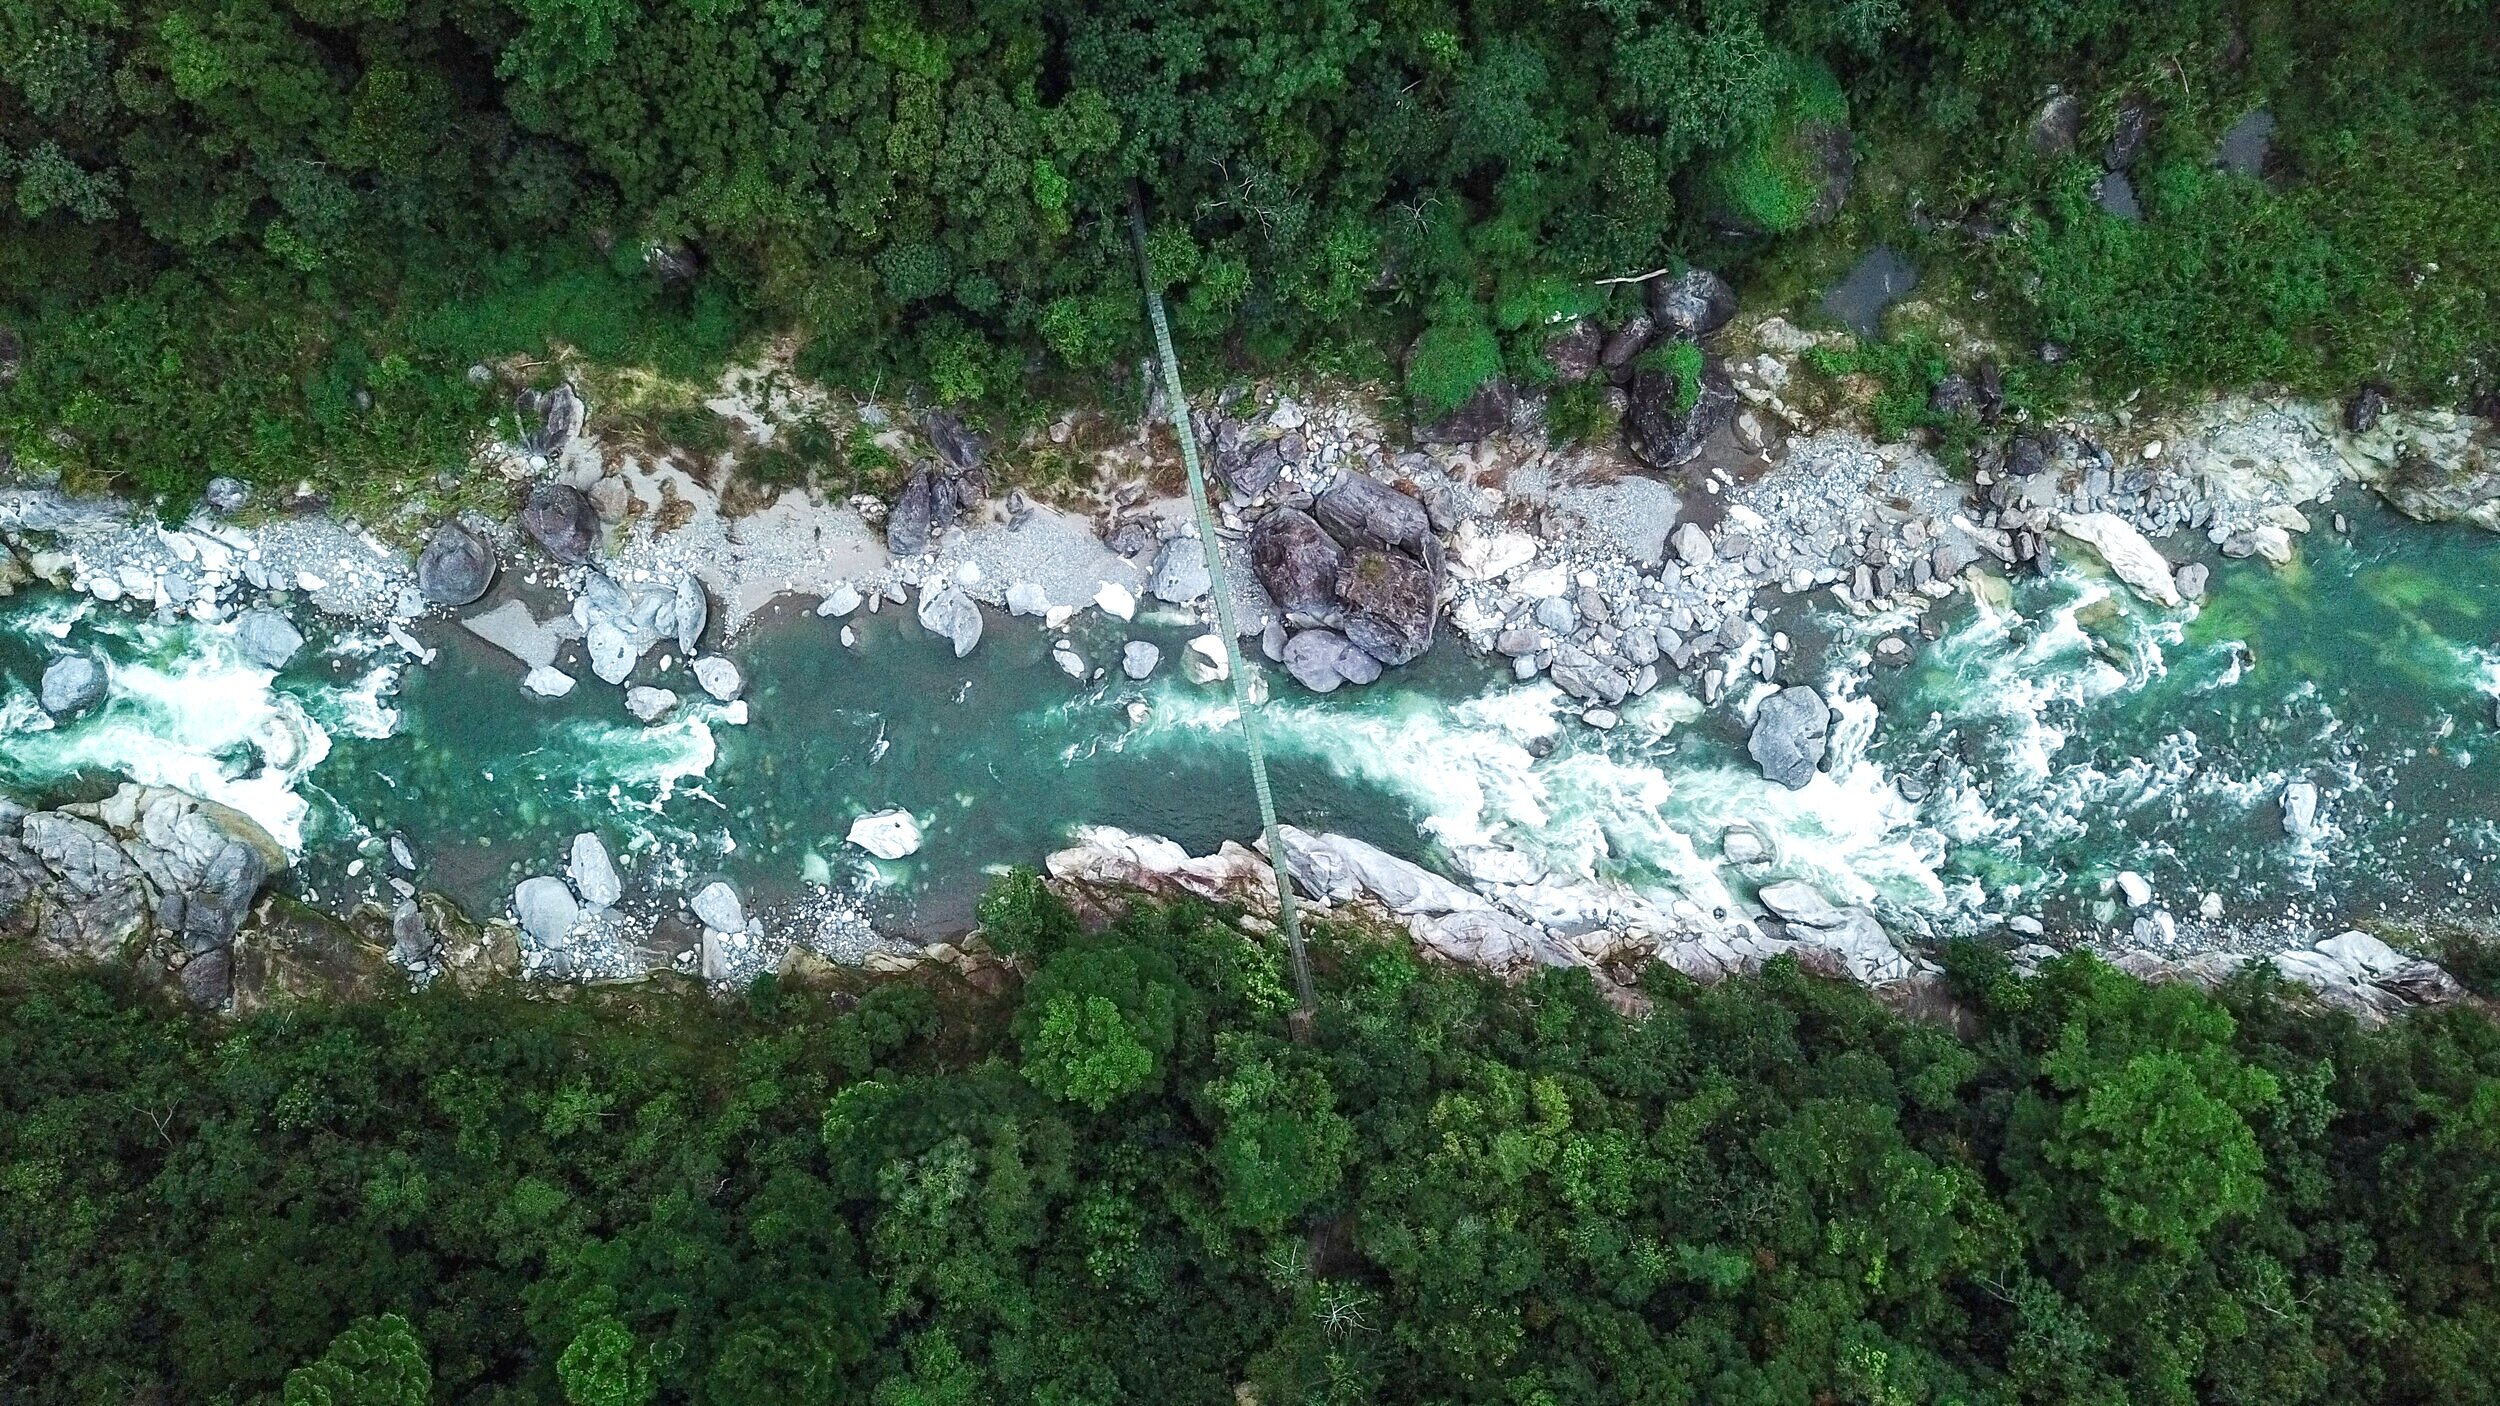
(270, 237)
(1124, 1181)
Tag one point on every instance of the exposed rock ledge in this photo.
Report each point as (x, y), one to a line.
(1613, 932)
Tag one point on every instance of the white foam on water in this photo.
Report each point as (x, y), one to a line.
(183, 710)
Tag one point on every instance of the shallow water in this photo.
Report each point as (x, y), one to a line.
(2050, 742)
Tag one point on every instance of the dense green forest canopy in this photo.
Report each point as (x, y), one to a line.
(270, 236)
(1123, 1180)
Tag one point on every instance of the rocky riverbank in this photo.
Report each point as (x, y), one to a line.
(1613, 574)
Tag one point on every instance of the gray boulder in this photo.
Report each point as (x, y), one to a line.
(267, 638)
(1790, 732)
(1694, 303)
(946, 610)
(213, 909)
(561, 520)
(716, 907)
(1586, 677)
(1358, 507)
(694, 611)
(719, 678)
(593, 873)
(1319, 659)
(72, 684)
(1574, 352)
(648, 704)
(1391, 603)
(456, 566)
(546, 909)
(1181, 572)
(1298, 562)
(226, 495)
(1138, 659)
(2300, 810)
(558, 416)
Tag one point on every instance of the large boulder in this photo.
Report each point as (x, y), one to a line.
(1138, 659)
(694, 611)
(561, 520)
(1694, 303)
(1324, 660)
(1666, 430)
(1790, 731)
(717, 908)
(546, 909)
(72, 684)
(1358, 507)
(456, 566)
(1181, 572)
(1390, 602)
(946, 610)
(267, 638)
(1298, 562)
(557, 417)
(89, 897)
(2131, 556)
(913, 519)
(593, 872)
(887, 834)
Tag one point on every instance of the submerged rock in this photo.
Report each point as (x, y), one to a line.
(1790, 731)
(1879, 279)
(71, 684)
(2300, 810)
(456, 566)
(887, 834)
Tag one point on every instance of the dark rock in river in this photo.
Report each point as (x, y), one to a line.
(1790, 732)
(561, 520)
(1297, 561)
(456, 566)
(1390, 600)
(2362, 412)
(1693, 304)
(1664, 435)
(1484, 414)
(1880, 279)
(1358, 507)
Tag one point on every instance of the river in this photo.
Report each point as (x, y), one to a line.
(2057, 732)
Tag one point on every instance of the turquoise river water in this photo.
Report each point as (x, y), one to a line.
(2039, 745)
